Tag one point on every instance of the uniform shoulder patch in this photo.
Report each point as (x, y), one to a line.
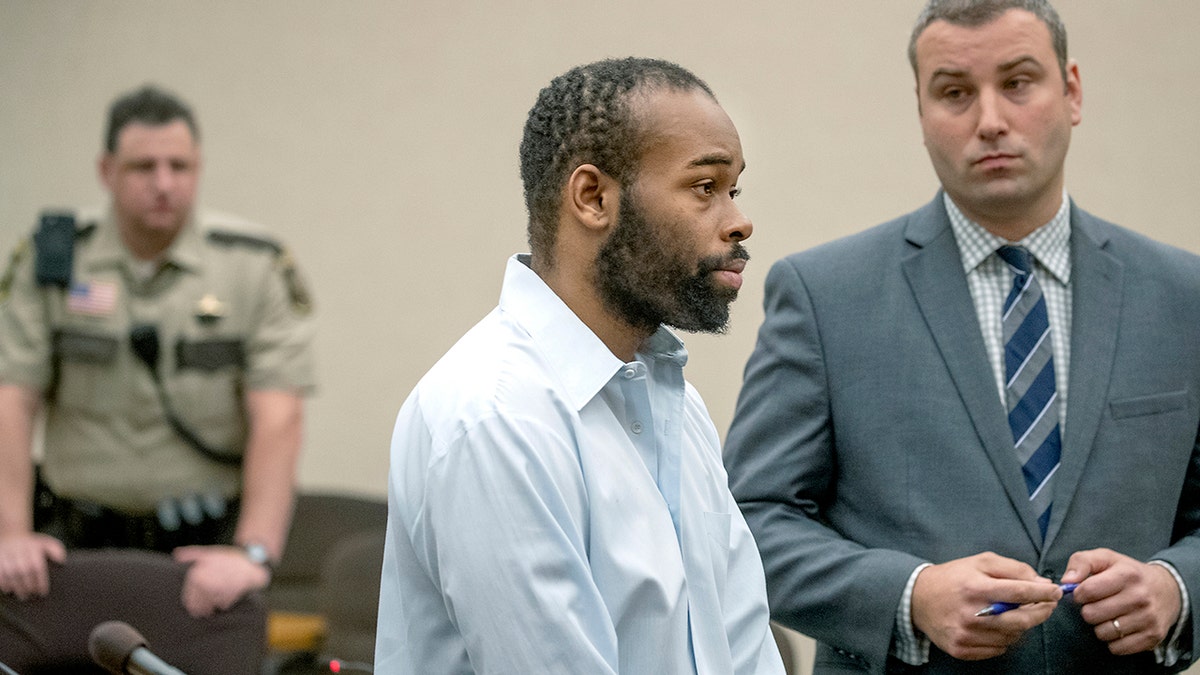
(301, 299)
(10, 270)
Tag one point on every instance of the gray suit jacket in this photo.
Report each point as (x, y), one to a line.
(870, 437)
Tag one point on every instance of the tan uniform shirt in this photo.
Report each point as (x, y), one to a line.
(231, 315)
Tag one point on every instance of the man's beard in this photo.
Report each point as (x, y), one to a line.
(647, 280)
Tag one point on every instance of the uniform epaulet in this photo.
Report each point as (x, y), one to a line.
(228, 238)
(301, 299)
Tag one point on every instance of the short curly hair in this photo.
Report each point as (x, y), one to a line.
(147, 105)
(584, 116)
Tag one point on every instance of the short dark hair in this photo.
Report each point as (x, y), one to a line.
(147, 105)
(584, 116)
(979, 12)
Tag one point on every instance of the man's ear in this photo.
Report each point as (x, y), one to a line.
(106, 169)
(1074, 90)
(592, 197)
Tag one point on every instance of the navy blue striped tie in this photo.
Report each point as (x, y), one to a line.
(1029, 382)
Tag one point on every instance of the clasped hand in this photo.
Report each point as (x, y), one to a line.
(1142, 598)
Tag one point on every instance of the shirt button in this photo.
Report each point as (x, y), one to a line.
(636, 427)
(629, 373)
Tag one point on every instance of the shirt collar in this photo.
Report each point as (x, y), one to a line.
(665, 345)
(187, 249)
(1049, 244)
(582, 362)
(109, 250)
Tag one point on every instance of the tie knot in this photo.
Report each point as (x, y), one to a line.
(1018, 257)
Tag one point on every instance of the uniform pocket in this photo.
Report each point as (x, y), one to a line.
(86, 371)
(81, 347)
(209, 355)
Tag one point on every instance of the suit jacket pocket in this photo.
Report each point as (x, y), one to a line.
(1148, 405)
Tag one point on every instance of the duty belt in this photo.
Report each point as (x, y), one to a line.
(181, 522)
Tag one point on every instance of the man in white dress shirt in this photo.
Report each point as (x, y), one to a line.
(557, 502)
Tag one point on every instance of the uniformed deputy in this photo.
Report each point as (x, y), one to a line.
(171, 351)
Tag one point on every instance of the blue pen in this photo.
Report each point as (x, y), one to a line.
(1002, 607)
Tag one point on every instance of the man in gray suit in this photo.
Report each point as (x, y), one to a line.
(904, 447)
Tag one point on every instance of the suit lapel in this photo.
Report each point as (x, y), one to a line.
(1096, 282)
(934, 272)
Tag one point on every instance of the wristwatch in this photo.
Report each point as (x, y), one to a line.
(258, 554)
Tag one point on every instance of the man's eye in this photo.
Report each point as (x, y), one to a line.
(735, 193)
(705, 189)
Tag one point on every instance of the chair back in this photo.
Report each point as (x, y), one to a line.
(349, 598)
(141, 588)
(320, 522)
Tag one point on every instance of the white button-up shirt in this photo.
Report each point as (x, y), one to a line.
(554, 510)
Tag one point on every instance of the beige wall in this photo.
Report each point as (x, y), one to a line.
(379, 138)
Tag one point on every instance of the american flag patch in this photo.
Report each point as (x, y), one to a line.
(93, 298)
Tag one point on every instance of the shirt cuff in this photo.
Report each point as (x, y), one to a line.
(1169, 651)
(907, 645)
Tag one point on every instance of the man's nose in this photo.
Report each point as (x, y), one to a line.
(164, 176)
(992, 121)
(739, 228)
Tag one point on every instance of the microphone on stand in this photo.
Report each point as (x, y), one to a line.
(121, 650)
